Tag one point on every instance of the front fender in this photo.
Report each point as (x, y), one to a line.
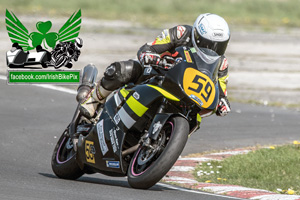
(159, 121)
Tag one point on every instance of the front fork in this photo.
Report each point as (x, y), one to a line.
(72, 127)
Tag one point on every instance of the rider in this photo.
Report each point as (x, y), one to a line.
(73, 49)
(209, 31)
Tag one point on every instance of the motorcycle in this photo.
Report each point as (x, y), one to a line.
(17, 58)
(62, 57)
(142, 128)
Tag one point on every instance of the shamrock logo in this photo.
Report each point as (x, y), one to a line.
(18, 33)
(43, 35)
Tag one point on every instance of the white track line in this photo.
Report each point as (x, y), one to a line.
(181, 168)
(193, 191)
(225, 189)
(200, 159)
(179, 180)
(277, 196)
(231, 153)
(3, 77)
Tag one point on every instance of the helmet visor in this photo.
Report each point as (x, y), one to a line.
(218, 46)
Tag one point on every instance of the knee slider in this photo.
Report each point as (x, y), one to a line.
(111, 71)
(121, 73)
(111, 79)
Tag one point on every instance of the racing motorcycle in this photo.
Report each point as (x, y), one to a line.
(142, 128)
(62, 57)
(17, 58)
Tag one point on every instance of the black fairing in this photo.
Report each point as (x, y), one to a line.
(110, 135)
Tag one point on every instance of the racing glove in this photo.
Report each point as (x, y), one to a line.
(223, 107)
(148, 58)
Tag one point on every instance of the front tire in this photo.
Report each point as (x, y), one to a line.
(145, 170)
(63, 162)
(60, 61)
(44, 65)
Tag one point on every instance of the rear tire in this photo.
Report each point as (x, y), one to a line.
(63, 162)
(144, 172)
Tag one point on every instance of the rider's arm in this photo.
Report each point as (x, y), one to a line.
(223, 107)
(168, 40)
(223, 75)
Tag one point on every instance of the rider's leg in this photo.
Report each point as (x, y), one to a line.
(94, 97)
(116, 75)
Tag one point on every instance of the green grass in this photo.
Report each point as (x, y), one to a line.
(154, 13)
(268, 168)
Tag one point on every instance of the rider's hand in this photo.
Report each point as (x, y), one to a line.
(223, 107)
(148, 58)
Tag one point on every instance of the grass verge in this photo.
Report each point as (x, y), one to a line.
(275, 169)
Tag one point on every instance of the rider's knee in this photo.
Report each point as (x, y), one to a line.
(120, 73)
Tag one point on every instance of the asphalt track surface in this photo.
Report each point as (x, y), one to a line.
(32, 119)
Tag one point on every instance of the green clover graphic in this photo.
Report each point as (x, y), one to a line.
(38, 38)
(18, 33)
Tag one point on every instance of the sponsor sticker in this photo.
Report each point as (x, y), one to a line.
(113, 164)
(156, 127)
(188, 57)
(202, 29)
(136, 95)
(90, 151)
(100, 131)
(114, 139)
(117, 118)
(196, 99)
(147, 70)
(218, 34)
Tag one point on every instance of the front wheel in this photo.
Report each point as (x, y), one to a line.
(60, 60)
(44, 65)
(151, 163)
(63, 162)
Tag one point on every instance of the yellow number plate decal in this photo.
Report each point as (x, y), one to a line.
(90, 151)
(199, 87)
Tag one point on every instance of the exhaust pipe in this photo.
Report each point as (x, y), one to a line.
(88, 82)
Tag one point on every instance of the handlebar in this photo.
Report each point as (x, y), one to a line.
(167, 62)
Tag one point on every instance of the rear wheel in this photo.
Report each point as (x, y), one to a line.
(151, 162)
(64, 163)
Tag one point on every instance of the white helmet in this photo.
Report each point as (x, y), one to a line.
(211, 31)
(78, 43)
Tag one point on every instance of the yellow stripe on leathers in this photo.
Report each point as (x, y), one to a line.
(223, 82)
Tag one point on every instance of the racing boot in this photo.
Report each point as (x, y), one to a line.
(93, 99)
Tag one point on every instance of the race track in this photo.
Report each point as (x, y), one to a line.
(32, 119)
